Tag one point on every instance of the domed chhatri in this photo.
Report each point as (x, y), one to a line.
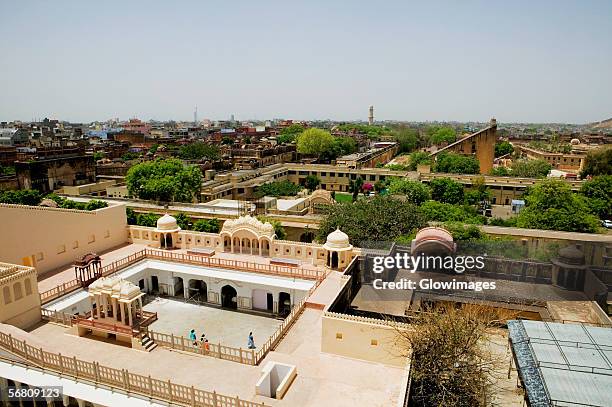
(433, 241)
(168, 224)
(338, 241)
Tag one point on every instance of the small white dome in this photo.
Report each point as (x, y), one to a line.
(167, 223)
(337, 240)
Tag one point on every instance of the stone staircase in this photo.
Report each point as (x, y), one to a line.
(147, 343)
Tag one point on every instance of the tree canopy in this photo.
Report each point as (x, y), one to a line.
(199, 150)
(164, 180)
(599, 193)
(530, 168)
(407, 138)
(552, 205)
(278, 188)
(415, 191)
(289, 133)
(443, 134)
(503, 148)
(446, 190)
(314, 142)
(435, 211)
(417, 158)
(381, 218)
(598, 162)
(456, 164)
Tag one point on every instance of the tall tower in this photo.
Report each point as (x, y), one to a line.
(195, 116)
(371, 116)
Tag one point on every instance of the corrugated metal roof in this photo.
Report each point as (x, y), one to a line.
(563, 364)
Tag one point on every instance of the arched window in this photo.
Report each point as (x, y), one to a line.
(28, 286)
(6, 292)
(17, 291)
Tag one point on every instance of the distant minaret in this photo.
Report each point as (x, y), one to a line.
(371, 116)
(195, 116)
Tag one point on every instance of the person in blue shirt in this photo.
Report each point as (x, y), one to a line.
(193, 337)
(251, 341)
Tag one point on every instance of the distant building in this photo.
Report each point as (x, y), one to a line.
(11, 137)
(481, 145)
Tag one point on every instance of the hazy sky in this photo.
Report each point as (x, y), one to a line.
(543, 61)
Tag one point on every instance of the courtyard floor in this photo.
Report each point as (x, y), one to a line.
(230, 328)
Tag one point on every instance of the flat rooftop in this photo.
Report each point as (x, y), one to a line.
(563, 364)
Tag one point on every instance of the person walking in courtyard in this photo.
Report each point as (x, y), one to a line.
(251, 341)
(193, 338)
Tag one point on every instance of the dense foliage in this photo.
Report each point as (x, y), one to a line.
(447, 191)
(415, 191)
(182, 219)
(598, 190)
(311, 182)
(442, 212)
(551, 204)
(503, 148)
(288, 134)
(381, 218)
(199, 150)
(373, 132)
(442, 135)
(164, 180)
(456, 164)
(530, 168)
(598, 162)
(314, 142)
(407, 138)
(32, 197)
(278, 188)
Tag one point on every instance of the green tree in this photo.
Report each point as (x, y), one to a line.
(446, 190)
(199, 150)
(461, 232)
(98, 155)
(95, 204)
(500, 172)
(530, 168)
(443, 134)
(207, 225)
(130, 155)
(456, 164)
(418, 158)
(407, 139)
(147, 219)
(278, 188)
(311, 182)
(355, 187)
(130, 216)
(435, 211)
(551, 204)
(164, 180)
(314, 142)
(598, 162)
(288, 134)
(153, 148)
(416, 192)
(503, 148)
(227, 140)
(381, 218)
(183, 221)
(479, 192)
(598, 191)
(29, 197)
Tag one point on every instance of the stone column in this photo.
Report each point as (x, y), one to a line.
(186, 289)
(19, 386)
(65, 401)
(114, 302)
(129, 311)
(120, 312)
(3, 391)
(81, 402)
(91, 303)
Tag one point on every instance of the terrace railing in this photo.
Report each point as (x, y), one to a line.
(216, 350)
(117, 379)
(194, 259)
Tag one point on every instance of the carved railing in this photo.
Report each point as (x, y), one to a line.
(117, 379)
(118, 265)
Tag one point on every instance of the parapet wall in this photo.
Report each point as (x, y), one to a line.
(48, 238)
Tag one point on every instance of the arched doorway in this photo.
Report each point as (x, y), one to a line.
(168, 241)
(198, 291)
(229, 297)
(333, 263)
(236, 245)
(265, 247)
(178, 287)
(141, 284)
(227, 244)
(154, 284)
(284, 303)
(162, 241)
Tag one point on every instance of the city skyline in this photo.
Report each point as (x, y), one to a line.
(544, 62)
